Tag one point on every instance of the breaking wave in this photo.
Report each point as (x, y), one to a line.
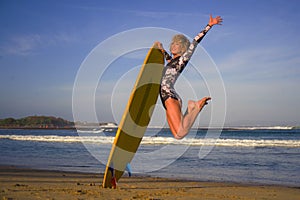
(160, 141)
(265, 128)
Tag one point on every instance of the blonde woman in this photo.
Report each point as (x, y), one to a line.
(182, 51)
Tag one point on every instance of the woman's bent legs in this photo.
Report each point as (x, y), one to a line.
(180, 125)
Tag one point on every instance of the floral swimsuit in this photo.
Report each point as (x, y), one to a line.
(173, 69)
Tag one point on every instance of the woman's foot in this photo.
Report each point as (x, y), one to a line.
(201, 103)
(192, 105)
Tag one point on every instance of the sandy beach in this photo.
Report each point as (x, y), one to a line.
(17, 183)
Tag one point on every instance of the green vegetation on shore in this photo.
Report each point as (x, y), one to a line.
(36, 122)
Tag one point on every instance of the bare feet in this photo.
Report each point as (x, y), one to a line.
(201, 103)
(192, 105)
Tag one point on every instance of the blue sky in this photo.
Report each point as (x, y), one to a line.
(44, 43)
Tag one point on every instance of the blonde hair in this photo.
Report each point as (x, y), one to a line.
(184, 41)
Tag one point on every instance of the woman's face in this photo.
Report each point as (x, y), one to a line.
(176, 48)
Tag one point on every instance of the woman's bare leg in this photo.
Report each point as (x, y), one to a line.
(174, 115)
(179, 124)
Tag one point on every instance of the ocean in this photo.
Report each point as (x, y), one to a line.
(252, 155)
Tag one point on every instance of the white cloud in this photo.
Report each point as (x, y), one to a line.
(260, 64)
(262, 84)
(22, 45)
(166, 14)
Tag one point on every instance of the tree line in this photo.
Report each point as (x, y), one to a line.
(36, 122)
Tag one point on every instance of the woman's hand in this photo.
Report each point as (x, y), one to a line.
(213, 21)
(159, 46)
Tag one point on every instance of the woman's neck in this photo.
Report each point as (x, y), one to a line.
(176, 55)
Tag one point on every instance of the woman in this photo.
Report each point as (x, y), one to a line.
(182, 50)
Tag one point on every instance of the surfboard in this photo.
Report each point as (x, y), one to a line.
(136, 117)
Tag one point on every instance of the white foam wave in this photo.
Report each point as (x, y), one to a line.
(264, 128)
(55, 138)
(223, 142)
(90, 131)
(160, 141)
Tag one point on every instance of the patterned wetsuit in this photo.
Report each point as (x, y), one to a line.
(173, 69)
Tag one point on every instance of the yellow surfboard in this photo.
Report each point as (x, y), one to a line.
(136, 117)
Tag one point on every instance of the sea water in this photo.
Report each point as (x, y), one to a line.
(258, 155)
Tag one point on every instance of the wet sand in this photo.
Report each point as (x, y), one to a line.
(18, 183)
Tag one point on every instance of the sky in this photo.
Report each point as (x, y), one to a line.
(44, 44)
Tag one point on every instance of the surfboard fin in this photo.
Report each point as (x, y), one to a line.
(128, 169)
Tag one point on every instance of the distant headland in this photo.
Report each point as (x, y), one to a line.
(48, 122)
(36, 122)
